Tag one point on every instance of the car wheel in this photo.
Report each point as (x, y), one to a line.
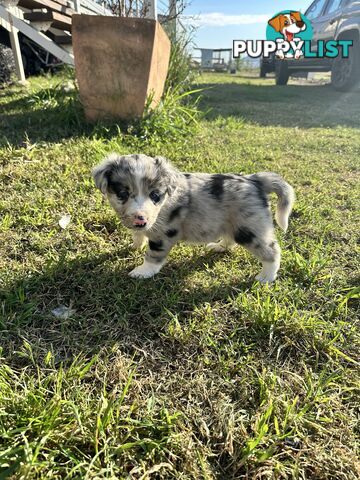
(281, 72)
(345, 72)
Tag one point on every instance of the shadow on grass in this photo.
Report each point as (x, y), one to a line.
(303, 106)
(49, 115)
(109, 306)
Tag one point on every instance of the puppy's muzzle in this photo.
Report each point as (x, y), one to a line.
(139, 221)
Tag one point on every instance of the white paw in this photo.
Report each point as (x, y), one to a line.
(140, 272)
(146, 270)
(216, 247)
(263, 277)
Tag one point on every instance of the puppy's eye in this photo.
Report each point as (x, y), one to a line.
(286, 23)
(120, 190)
(155, 196)
(122, 195)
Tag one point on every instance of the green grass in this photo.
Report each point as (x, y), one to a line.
(200, 373)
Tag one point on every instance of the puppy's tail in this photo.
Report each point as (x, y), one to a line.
(272, 182)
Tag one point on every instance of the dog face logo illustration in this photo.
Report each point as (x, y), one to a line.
(289, 29)
(289, 25)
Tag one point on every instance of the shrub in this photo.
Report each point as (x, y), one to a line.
(180, 73)
(176, 115)
(7, 64)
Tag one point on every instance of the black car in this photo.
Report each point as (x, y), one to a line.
(331, 20)
(267, 65)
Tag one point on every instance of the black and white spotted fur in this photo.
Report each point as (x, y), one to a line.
(165, 206)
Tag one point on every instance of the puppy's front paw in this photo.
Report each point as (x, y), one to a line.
(143, 271)
(265, 277)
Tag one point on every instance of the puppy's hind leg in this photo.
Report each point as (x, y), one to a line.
(221, 246)
(265, 248)
(269, 271)
(269, 253)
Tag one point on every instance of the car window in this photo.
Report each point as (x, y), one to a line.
(315, 9)
(333, 6)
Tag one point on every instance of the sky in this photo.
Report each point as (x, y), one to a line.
(220, 22)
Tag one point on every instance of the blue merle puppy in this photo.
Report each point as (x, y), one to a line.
(165, 206)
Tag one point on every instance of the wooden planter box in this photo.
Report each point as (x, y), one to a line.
(119, 62)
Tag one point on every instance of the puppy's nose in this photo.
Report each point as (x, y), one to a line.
(140, 217)
(300, 24)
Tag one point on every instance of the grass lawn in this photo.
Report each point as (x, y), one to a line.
(200, 373)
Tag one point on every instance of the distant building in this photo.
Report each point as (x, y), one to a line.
(216, 59)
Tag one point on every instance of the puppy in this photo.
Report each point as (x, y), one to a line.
(165, 206)
(288, 25)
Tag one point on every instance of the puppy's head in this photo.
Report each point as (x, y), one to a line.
(137, 187)
(288, 24)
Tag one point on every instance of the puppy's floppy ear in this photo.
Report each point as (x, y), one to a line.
(296, 15)
(168, 173)
(275, 23)
(101, 172)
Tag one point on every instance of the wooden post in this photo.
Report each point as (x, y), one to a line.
(15, 45)
(152, 9)
(172, 14)
(77, 5)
